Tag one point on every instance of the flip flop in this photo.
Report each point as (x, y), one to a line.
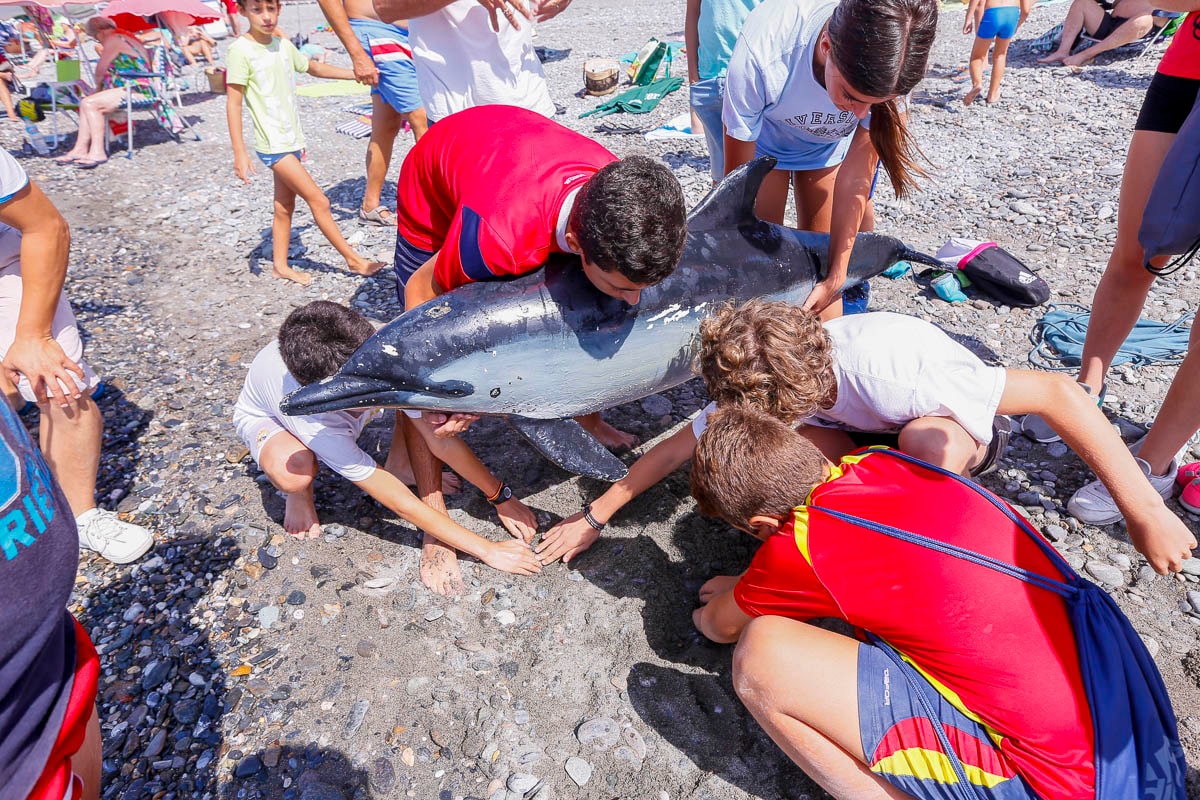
(89, 164)
(66, 159)
(380, 216)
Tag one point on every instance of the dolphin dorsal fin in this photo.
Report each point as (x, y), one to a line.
(731, 202)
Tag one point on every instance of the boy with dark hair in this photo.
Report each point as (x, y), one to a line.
(990, 664)
(314, 341)
(888, 373)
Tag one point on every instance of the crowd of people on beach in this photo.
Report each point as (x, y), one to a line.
(848, 444)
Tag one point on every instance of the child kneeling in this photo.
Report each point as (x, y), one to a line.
(965, 674)
(314, 341)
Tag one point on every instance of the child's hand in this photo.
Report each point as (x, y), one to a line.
(718, 585)
(447, 425)
(512, 556)
(1162, 538)
(517, 519)
(567, 539)
(243, 168)
(968, 24)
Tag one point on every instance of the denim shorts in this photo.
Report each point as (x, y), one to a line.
(271, 159)
(706, 98)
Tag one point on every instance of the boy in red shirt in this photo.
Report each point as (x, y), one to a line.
(490, 193)
(998, 659)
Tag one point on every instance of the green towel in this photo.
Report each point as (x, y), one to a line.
(637, 100)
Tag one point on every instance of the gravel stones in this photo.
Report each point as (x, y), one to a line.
(600, 733)
(1107, 574)
(358, 713)
(579, 770)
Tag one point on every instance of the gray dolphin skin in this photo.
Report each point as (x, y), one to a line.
(548, 346)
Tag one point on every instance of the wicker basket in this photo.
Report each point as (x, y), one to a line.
(600, 76)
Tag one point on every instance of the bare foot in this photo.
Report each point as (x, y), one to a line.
(300, 515)
(971, 95)
(606, 434)
(1077, 60)
(1052, 58)
(362, 266)
(992, 98)
(439, 567)
(288, 274)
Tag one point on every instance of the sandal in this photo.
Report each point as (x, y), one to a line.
(84, 164)
(66, 159)
(380, 216)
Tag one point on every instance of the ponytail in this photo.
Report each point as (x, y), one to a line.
(881, 47)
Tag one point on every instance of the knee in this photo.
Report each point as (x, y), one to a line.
(751, 657)
(938, 443)
(286, 207)
(320, 204)
(291, 472)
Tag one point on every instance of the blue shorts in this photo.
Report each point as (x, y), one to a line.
(389, 49)
(706, 98)
(271, 159)
(901, 744)
(999, 22)
(408, 260)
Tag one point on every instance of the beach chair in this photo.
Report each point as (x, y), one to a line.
(154, 95)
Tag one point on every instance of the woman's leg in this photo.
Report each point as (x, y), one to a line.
(979, 51)
(281, 230)
(1083, 15)
(801, 683)
(772, 197)
(1179, 416)
(999, 60)
(89, 143)
(1123, 287)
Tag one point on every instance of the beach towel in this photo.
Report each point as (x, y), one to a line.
(332, 89)
(1059, 335)
(637, 100)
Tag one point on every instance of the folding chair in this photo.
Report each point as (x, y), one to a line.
(1165, 23)
(154, 96)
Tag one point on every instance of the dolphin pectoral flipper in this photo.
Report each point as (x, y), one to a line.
(567, 444)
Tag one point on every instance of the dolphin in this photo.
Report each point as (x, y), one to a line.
(548, 346)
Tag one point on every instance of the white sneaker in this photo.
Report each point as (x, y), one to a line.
(120, 542)
(1093, 504)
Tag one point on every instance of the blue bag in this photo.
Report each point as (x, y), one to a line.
(1171, 222)
(1138, 754)
(1059, 335)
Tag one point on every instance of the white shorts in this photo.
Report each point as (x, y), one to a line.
(63, 329)
(255, 432)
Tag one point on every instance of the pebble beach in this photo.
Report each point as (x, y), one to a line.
(238, 662)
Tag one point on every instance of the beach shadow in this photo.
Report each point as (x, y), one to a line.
(287, 771)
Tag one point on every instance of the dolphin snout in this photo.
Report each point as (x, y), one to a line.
(335, 394)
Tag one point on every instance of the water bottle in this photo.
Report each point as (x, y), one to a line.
(35, 138)
(948, 288)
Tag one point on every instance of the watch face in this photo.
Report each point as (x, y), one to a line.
(506, 494)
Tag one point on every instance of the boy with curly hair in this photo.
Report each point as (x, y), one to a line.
(888, 373)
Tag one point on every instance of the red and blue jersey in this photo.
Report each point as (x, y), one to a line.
(1001, 652)
(485, 187)
(1182, 59)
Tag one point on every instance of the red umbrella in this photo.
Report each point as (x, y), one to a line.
(131, 15)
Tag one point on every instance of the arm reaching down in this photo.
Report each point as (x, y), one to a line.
(1067, 408)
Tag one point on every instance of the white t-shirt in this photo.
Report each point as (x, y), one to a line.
(12, 177)
(332, 436)
(891, 369)
(461, 62)
(772, 96)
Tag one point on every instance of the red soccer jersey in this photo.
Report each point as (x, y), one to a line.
(484, 189)
(1182, 59)
(1000, 650)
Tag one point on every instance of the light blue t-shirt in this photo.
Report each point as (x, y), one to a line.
(772, 96)
(719, 25)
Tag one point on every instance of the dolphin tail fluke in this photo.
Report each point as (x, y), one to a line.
(567, 444)
(917, 257)
(731, 202)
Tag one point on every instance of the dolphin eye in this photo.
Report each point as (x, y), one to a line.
(495, 392)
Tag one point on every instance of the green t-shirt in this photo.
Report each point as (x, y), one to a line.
(269, 74)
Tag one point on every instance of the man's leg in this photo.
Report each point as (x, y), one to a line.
(801, 684)
(291, 468)
(1083, 15)
(70, 441)
(385, 124)
(439, 562)
(1179, 416)
(418, 122)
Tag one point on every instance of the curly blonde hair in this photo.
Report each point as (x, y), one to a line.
(770, 355)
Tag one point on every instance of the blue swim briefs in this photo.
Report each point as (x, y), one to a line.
(389, 49)
(999, 22)
(902, 746)
(408, 260)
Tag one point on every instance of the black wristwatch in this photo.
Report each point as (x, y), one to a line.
(503, 494)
